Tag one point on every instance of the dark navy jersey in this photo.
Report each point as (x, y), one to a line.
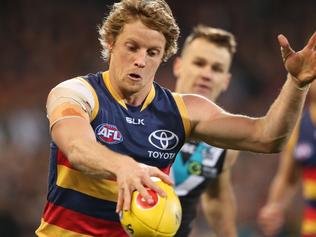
(305, 156)
(196, 164)
(150, 133)
(305, 150)
(153, 133)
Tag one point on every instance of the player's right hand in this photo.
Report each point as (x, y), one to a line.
(271, 219)
(133, 176)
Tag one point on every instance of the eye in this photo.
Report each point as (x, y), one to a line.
(218, 68)
(153, 52)
(131, 47)
(199, 63)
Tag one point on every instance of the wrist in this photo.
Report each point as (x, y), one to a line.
(122, 161)
(298, 84)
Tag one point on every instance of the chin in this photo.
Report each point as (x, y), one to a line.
(203, 92)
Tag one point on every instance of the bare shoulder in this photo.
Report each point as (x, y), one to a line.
(200, 108)
(194, 99)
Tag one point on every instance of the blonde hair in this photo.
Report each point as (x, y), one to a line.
(155, 14)
(213, 35)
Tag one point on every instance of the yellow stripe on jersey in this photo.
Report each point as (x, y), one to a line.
(75, 180)
(184, 113)
(149, 98)
(312, 110)
(106, 79)
(309, 188)
(96, 100)
(309, 227)
(53, 230)
(293, 138)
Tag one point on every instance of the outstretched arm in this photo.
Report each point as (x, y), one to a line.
(266, 134)
(218, 201)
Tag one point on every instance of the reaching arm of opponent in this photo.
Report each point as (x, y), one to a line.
(270, 132)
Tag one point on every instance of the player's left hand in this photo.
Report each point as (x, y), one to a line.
(301, 64)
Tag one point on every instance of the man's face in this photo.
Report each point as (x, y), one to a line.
(135, 57)
(203, 69)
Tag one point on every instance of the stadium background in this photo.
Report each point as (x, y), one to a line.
(44, 42)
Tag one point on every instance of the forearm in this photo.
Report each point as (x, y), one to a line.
(220, 214)
(281, 192)
(75, 138)
(94, 159)
(281, 118)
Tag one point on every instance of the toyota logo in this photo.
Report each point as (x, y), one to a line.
(163, 139)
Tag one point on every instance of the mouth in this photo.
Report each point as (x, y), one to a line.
(203, 87)
(134, 76)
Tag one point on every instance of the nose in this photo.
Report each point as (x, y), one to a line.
(140, 59)
(207, 74)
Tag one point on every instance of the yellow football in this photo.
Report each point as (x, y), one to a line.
(160, 219)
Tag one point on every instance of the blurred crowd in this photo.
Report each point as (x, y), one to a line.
(45, 42)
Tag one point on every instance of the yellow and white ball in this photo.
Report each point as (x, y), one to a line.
(160, 219)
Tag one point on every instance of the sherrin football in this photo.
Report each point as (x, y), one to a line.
(160, 219)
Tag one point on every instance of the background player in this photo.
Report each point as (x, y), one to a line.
(201, 170)
(298, 163)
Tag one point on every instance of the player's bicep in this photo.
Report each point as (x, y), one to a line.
(200, 110)
(217, 127)
(66, 110)
(70, 99)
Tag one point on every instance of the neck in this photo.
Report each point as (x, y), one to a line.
(134, 99)
(130, 96)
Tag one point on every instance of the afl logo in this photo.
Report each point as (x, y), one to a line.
(108, 133)
(163, 139)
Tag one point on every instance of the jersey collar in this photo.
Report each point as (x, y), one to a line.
(150, 97)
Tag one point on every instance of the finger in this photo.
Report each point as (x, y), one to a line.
(286, 49)
(152, 185)
(283, 41)
(145, 194)
(127, 199)
(119, 204)
(164, 177)
(312, 42)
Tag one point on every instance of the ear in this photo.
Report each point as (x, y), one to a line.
(177, 66)
(227, 81)
(110, 46)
